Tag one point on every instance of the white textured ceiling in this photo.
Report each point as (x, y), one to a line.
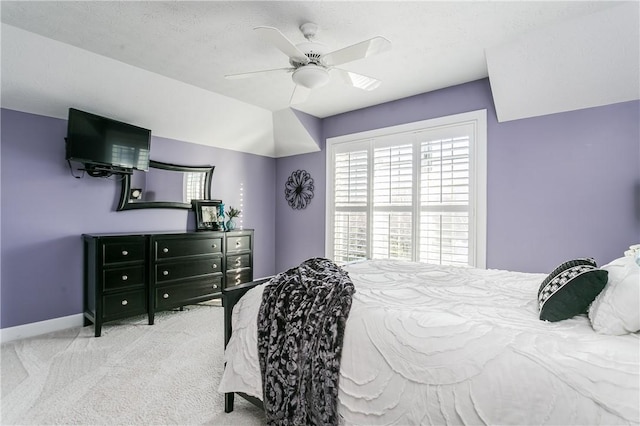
(435, 45)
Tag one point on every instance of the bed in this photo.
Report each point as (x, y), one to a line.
(429, 344)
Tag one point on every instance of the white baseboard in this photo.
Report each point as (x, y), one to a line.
(42, 327)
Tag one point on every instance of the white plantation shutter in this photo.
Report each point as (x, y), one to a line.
(350, 236)
(444, 197)
(351, 180)
(392, 202)
(412, 192)
(351, 193)
(391, 235)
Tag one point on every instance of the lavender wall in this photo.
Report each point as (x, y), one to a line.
(45, 211)
(559, 186)
(300, 233)
(564, 186)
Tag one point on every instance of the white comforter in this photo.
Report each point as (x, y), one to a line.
(429, 344)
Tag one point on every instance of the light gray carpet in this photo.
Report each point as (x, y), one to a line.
(167, 373)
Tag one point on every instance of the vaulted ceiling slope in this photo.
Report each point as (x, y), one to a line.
(161, 64)
(588, 61)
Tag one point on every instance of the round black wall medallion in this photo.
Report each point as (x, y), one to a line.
(299, 189)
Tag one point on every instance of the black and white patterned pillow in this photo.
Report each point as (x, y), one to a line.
(569, 289)
(563, 267)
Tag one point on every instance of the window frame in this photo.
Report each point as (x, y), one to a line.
(477, 176)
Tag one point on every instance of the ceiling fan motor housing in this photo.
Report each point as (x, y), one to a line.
(312, 50)
(312, 74)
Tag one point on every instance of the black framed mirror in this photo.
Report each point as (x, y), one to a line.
(168, 186)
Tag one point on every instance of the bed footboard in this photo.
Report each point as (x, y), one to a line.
(231, 296)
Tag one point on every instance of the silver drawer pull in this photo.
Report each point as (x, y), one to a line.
(165, 250)
(238, 261)
(124, 302)
(215, 286)
(238, 243)
(237, 280)
(165, 273)
(124, 252)
(214, 266)
(165, 296)
(124, 278)
(215, 246)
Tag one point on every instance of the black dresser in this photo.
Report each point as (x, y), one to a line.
(127, 275)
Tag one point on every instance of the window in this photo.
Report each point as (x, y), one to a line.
(412, 192)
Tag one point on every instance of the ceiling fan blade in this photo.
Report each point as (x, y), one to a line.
(282, 43)
(299, 95)
(356, 51)
(257, 73)
(358, 80)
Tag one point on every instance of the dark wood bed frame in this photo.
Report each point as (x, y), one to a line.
(231, 296)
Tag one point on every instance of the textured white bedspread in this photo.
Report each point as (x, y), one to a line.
(429, 344)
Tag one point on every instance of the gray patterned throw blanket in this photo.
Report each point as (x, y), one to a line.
(300, 331)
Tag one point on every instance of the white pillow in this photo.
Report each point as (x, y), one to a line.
(616, 310)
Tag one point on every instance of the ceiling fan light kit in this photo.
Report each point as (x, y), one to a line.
(310, 62)
(311, 76)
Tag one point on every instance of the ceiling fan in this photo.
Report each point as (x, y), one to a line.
(311, 62)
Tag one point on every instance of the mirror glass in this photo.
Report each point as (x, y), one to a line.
(165, 186)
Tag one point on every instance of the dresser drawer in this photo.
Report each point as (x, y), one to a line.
(125, 304)
(186, 293)
(118, 278)
(177, 247)
(239, 243)
(239, 261)
(239, 276)
(116, 251)
(169, 271)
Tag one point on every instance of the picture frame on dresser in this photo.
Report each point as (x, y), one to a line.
(207, 216)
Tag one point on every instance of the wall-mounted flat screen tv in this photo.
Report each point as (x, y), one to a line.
(100, 142)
